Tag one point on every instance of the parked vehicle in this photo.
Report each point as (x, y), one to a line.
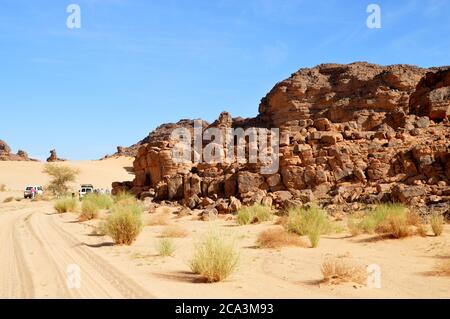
(85, 190)
(28, 193)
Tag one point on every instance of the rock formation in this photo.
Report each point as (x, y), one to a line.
(54, 157)
(432, 96)
(7, 155)
(348, 133)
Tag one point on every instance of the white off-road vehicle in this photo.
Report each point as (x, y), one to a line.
(28, 193)
(85, 189)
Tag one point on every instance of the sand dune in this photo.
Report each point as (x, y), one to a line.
(17, 175)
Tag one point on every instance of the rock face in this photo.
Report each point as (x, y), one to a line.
(341, 93)
(54, 157)
(348, 133)
(432, 96)
(7, 155)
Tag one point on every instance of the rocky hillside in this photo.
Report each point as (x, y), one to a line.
(7, 155)
(356, 133)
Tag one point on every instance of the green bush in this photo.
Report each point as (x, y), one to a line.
(215, 258)
(392, 219)
(124, 224)
(66, 204)
(166, 247)
(100, 201)
(309, 221)
(254, 214)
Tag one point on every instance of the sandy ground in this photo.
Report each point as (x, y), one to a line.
(18, 175)
(40, 248)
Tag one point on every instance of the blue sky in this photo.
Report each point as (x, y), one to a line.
(135, 64)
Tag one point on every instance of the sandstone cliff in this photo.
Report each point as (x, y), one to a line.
(349, 133)
(7, 155)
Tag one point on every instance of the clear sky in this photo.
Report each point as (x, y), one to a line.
(135, 64)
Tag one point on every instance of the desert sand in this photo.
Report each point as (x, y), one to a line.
(18, 175)
(38, 246)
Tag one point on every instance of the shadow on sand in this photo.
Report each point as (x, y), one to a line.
(182, 276)
(99, 245)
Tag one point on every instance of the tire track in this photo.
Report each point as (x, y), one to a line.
(35, 253)
(15, 277)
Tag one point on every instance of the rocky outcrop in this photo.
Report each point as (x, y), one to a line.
(54, 157)
(341, 93)
(7, 155)
(432, 96)
(348, 133)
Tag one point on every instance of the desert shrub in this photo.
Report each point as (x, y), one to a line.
(2, 188)
(215, 258)
(8, 199)
(353, 226)
(124, 223)
(124, 198)
(338, 270)
(65, 205)
(166, 247)
(89, 210)
(101, 201)
(92, 204)
(395, 220)
(174, 232)
(401, 223)
(60, 177)
(254, 214)
(437, 224)
(309, 221)
(277, 238)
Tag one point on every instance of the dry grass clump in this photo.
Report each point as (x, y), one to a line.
(2, 188)
(66, 205)
(93, 203)
(174, 231)
(336, 271)
(278, 238)
(309, 221)
(89, 210)
(215, 257)
(254, 214)
(166, 247)
(8, 199)
(437, 224)
(124, 198)
(124, 224)
(101, 201)
(394, 220)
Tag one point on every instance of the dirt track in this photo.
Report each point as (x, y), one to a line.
(36, 253)
(38, 246)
